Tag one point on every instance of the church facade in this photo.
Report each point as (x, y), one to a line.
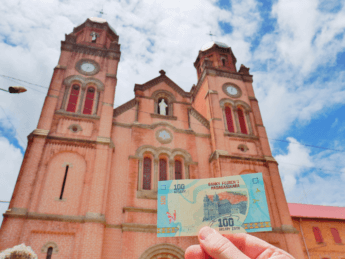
(87, 187)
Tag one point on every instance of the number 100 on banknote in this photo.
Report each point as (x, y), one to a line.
(232, 204)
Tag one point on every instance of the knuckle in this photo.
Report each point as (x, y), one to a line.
(221, 247)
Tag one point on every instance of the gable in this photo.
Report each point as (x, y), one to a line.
(162, 79)
(124, 107)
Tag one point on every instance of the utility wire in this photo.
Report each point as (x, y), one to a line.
(286, 141)
(13, 78)
(280, 140)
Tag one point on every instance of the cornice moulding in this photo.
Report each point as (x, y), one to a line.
(165, 117)
(146, 228)
(124, 107)
(135, 209)
(77, 115)
(40, 132)
(199, 117)
(61, 67)
(146, 126)
(159, 79)
(90, 50)
(211, 71)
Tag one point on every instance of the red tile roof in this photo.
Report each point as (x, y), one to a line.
(316, 211)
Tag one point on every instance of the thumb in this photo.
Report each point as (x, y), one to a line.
(217, 246)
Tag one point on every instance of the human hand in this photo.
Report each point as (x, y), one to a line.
(233, 246)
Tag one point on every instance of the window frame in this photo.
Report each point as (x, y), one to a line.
(180, 160)
(336, 236)
(167, 173)
(318, 235)
(234, 106)
(166, 102)
(231, 117)
(49, 252)
(244, 125)
(70, 95)
(84, 83)
(93, 99)
(169, 99)
(156, 154)
(151, 172)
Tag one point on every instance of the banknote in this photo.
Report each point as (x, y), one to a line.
(232, 204)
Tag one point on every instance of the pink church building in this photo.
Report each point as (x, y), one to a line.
(87, 187)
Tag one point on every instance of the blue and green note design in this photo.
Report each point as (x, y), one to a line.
(232, 204)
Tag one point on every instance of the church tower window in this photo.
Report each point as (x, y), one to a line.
(49, 253)
(73, 98)
(178, 169)
(64, 182)
(89, 99)
(223, 59)
(242, 121)
(147, 173)
(162, 170)
(229, 120)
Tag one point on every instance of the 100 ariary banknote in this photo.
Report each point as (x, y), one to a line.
(232, 204)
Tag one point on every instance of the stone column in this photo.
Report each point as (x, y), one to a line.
(249, 125)
(81, 99)
(140, 178)
(155, 174)
(186, 171)
(171, 170)
(136, 111)
(237, 124)
(96, 102)
(65, 97)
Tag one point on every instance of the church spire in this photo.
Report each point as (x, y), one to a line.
(216, 55)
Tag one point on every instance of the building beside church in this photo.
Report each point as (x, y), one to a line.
(321, 230)
(87, 187)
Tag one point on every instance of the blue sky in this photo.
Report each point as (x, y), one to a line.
(295, 50)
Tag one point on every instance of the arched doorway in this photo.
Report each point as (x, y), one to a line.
(163, 251)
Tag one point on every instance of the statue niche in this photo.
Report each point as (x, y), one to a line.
(163, 107)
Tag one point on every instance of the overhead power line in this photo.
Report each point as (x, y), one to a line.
(280, 140)
(24, 81)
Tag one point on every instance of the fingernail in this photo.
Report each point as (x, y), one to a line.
(206, 231)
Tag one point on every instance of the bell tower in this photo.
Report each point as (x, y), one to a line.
(60, 191)
(239, 144)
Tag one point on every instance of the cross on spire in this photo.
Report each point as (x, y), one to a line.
(211, 35)
(101, 13)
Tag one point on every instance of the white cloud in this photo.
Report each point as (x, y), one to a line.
(304, 38)
(10, 162)
(312, 178)
(292, 164)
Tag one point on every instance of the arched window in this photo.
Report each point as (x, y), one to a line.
(229, 120)
(163, 105)
(242, 121)
(162, 170)
(147, 173)
(49, 253)
(318, 235)
(73, 98)
(336, 235)
(223, 62)
(178, 169)
(90, 96)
